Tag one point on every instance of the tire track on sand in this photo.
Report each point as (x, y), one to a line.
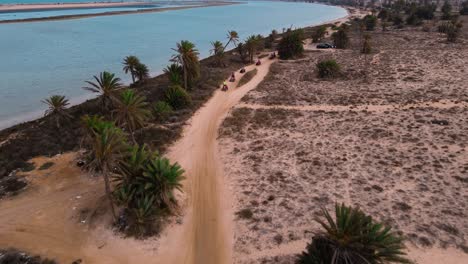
(206, 235)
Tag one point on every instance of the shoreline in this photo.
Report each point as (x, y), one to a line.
(52, 7)
(59, 6)
(75, 101)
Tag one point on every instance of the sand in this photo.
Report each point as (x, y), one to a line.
(393, 143)
(43, 7)
(58, 6)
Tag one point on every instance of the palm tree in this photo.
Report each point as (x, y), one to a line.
(131, 111)
(251, 44)
(57, 105)
(160, 174)
(232, 37)
(130, 64)
(141, 72)
(218, 51)
(187, 57)
(108, 149)
(106, 85)
(353, 237)
(174, 73)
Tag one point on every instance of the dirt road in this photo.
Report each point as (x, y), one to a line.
(206, 235)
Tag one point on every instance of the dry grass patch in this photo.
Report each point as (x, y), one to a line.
(247, 77)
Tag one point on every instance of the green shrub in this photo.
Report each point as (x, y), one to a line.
(353, 237)
(28, 167)
(328, 69)
(291, 44)
(340, 39)
(247, 77)
(162, 110)
(245, 214)
(426, 11)
(177, 97)
(319, 33)
(446, 10)
(46, 165)
(145, 185)
(413, 20)
(397, 20)
(370, 22)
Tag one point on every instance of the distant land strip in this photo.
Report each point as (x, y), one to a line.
(97, 5)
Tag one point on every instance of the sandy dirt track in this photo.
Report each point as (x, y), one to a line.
(207, 230)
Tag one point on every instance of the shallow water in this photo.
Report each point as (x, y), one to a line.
(56, 57)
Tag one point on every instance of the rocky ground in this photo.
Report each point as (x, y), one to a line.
(388, 135)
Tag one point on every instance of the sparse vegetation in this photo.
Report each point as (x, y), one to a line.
(245, 214)
(340, 38)
(46, 165)
(328, 69)
(144, 186)
(366, 45)
(57, 105)
(370, 21)
(353, 237)
(247, 77)
(12, 256)
(162, 110)
(319, 34)
(291, 44)
(446, 10)
(177, 97)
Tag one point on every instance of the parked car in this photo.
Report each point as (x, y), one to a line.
(325, 46)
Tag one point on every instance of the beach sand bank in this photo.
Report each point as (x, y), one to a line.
(146, 8)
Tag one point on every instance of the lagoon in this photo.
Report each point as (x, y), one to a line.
(56, 57)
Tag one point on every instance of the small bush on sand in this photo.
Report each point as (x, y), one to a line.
(351, 238)
(144, 187)
(413, 20)
(370, 21)
(12, 256)
(366, 44)
(340, 39)
(28, 167)
(247, 77)
(319, 34)
(46, 165)
(397, 20)
(177, 97)
(328, 69)
(245, 214)
(162, 110)
(291, 44)
(446, 10)
(451, 29)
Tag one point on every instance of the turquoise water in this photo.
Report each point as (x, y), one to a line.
(56, 57)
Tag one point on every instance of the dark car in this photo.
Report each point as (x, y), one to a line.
(325, 46)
